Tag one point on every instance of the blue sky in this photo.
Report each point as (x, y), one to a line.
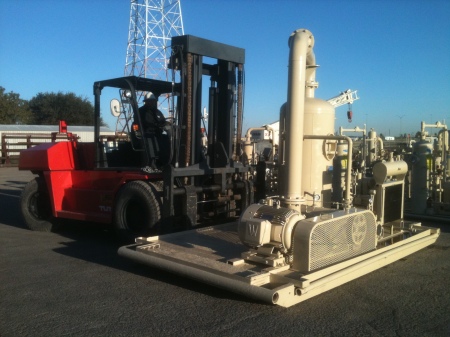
(394, 52)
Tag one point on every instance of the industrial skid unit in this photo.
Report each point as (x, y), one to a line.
(291, 247)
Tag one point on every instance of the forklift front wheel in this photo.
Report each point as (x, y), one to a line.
(136, 210)
(36, 207)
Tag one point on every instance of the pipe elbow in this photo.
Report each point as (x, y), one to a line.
(380, 140)
(301, 43)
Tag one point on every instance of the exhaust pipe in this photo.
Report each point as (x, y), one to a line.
(301, 43)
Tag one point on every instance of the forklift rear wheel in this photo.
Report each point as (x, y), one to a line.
(137, 211)
(36, 207)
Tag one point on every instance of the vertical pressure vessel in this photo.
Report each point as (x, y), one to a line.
(420, 177)
(317, 162)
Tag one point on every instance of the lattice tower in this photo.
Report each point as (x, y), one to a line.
(152, 24)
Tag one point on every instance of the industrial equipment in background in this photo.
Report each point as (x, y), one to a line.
(261, 143)
(427, 181)
(430, 174)
(261, 146)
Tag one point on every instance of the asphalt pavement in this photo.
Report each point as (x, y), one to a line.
(73, 283)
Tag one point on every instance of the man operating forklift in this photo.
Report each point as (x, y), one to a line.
(154, 124)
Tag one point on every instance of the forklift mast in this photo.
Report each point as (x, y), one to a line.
(225, 101)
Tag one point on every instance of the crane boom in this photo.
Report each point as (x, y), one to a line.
(345, 97)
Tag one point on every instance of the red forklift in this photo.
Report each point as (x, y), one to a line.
(186, 183)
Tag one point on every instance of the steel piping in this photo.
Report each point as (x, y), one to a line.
(348, 173)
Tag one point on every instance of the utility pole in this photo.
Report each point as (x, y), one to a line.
(401, 117)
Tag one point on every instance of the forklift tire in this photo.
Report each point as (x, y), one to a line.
(136, 211)
(36, 207)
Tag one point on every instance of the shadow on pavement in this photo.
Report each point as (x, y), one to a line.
(95, 243)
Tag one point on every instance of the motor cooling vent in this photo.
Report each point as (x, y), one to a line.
(325, 240)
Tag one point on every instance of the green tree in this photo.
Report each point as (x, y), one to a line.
(50, 108)
(13, 109)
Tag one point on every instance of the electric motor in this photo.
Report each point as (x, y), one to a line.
(268, 225)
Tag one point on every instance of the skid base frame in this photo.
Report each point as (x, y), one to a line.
(213, 255)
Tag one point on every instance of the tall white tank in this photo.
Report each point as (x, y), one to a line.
(372, 141)
(317, 161)
(420, 184)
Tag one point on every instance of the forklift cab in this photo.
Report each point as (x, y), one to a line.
(140, 149)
